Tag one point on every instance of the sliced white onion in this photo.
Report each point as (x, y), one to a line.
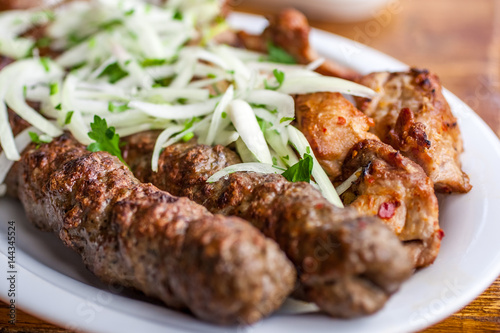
(165, 111)
(282, 149)
(282, 102)
(309, 84)
(315, 64)
(244, 167)
(13, 79)
(78, 127)
(225, 138)
(217, 120)
(245, 154)
(21, 141)
(160, 141)
(300, 142)
(168, 95)
(7, 137)
(15, 48)
(349, 181)
(243, 119)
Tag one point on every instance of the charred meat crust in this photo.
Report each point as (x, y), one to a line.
(347, 264)
(398, 191)
(413, 116)
(220, 268)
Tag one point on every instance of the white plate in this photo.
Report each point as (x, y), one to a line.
(330, 10)
(53, 284)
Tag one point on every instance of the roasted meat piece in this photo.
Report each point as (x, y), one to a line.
(332, 125)
(412, 115)
(397, 190)
(221, 268)
(391, 187)
(347, 264)
(289, 30)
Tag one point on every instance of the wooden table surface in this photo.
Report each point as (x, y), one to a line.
(459, 40)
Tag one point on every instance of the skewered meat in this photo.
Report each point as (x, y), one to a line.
(391, 186)
(347, 264)
(220, 268)
(332, 125)
(412, 115)
(290, 31)
(397, 190)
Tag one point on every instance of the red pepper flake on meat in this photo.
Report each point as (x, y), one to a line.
(387, 210)
(440, 234)
(341, 121)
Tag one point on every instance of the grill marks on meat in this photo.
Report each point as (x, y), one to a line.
(290, 31)
(392, 187)
(221, 268)
(398, 191)
(332, 125)
(348, 265)
(412, 115)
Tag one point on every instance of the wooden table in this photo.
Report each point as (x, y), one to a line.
(458, 39)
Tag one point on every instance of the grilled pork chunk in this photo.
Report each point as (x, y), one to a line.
(391, 187)
(412, 115)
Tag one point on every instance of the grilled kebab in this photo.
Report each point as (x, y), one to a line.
(413, 116)
(220, 268)
(348, 264)
(390, 186)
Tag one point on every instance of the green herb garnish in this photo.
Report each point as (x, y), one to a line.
(282, 120)
(277, 54)
(69, 116)
(54, 89)
(116, 108)
(300, 171)
(114, 73)
(280, 77)
(105, 138)
(153, 62)
(35, 138)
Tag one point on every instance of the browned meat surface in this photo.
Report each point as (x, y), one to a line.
(332, 125)
(347, 264)
(20, 4)
(290, 31)
(390, 182)
(220, 268)
(397, 190)
(412, 115)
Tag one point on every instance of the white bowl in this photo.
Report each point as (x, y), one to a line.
(331, 10)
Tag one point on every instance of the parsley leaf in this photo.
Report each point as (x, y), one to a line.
(69, 116)
(105, 138)
(110, 24)
(38, 139)
(54, 89)
(114, 73)
(282, 120)
(301, 171)
(45, 63)
(280, 77)
(116, 108)
(277, 54)
(153, 62)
